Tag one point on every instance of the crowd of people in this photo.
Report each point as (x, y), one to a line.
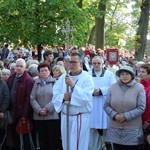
(74, 100)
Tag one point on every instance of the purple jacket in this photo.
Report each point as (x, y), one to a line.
(21, 104)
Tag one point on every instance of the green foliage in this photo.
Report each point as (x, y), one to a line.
(36, 21)
(121, 23)
(41, 21)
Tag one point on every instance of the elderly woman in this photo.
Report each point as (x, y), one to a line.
(58, 70)
(5, 74)
(4, 104)
(124, 105)
(4, 97)
(145, 81)
(44, 114)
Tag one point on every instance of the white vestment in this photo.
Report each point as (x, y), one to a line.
(79, 110)
(99, 118)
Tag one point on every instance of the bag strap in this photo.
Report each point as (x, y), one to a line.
(21, 141)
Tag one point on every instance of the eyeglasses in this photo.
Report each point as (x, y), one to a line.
(50, 56)
(94, 63)
(73, 62)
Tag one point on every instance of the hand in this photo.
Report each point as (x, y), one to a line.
(43, 112)
(148, 139)
(117, 117)
(120, 117)
(69, 81)
(67, 96)
(96, 92)
(45, 109)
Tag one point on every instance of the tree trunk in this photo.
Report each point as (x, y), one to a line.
(112, 15)
(92, 35)
(99, 25)
(80, 3)
(141, 37)
(39, 50)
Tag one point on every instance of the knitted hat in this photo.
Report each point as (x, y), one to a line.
(127, 69)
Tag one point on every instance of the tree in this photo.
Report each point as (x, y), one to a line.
(141, 37)
(40, 22)
(99, 25)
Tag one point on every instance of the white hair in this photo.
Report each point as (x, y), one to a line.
(21, 60)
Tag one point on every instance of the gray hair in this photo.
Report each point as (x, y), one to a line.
(33, 69)
(12, 65)
(98, 58)
(30, 62)
(60, 68)
(139, 63)
(5, 71)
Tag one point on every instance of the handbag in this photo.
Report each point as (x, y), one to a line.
(24, 126)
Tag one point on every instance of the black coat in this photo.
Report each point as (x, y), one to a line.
(4, 96)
